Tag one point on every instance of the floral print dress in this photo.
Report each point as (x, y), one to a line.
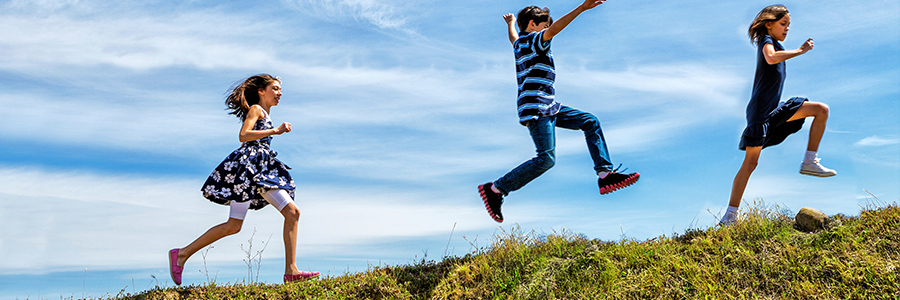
(248, 172)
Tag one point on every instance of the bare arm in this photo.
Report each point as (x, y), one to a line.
(511, 24)
(774, 57)
(560, 24)
(248, 134)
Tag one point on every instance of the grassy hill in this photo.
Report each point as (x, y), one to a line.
(762, 256)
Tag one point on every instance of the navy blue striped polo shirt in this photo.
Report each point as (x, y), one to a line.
(535, 73)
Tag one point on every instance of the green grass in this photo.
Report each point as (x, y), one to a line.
(760, 257)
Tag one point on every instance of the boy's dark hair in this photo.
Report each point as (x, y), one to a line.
(532, 13)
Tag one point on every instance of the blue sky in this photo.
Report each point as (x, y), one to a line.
(115, 116)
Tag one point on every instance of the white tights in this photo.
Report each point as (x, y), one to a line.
(278, 198)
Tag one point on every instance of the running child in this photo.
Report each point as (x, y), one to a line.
(768, 121)
(530, 34)
(250, 177)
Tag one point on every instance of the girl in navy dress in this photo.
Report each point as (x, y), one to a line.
(250, 177)
(768, 121)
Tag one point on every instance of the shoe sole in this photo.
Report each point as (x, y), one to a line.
(817, 174)
(625, 183)
(301, 278)
(484, 199)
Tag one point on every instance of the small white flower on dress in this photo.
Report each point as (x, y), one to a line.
(224, 192)
(229, 178)
(215, 176)
(230, 165)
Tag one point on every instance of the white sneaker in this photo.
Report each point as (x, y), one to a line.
(813, 168)
(728, 219)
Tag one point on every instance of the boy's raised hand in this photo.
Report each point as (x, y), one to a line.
(564, 21)
(509, 18)
(512, 29)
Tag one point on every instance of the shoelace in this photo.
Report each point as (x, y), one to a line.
(616, 170)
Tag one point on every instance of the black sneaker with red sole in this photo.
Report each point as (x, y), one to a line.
(615, 181)
(492, 201)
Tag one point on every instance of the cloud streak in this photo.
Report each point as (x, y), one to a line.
(878, 141)
(135, 219)
(384, 15)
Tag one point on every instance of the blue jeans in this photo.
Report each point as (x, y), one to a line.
(543, 132)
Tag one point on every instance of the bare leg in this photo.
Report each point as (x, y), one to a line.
(215, 233)
(291, 217)
(819, 112)
(751, 158)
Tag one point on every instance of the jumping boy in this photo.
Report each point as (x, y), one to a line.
(539, 111)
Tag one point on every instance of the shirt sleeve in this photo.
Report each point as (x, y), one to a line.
(539, 44)
(767, 39)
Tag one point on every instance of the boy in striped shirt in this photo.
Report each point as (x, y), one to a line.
(539, 111)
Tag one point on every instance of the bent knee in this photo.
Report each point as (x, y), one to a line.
(750, 166)
(291, 212)
(546, 160)
(751, 160)
(825, 109)
(590, 123)
(819, 109)
(232, 227)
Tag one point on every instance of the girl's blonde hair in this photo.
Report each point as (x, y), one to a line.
(758, 28)
(246, 94)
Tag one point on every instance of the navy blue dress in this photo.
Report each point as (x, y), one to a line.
(767, 119)
(248, 172)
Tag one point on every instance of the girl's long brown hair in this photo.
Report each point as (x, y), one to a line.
(758, 28)
(246, 94)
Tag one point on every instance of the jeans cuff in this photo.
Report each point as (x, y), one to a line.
(502, 192)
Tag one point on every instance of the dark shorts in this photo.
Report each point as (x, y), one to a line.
(776, 128)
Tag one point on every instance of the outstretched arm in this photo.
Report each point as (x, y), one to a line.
(774, 57)
(560, 24)
(511, 24)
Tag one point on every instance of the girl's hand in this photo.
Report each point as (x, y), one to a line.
(808, 45)
(285, 127)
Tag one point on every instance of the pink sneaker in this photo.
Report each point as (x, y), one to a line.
(303, 275)
(174, 269)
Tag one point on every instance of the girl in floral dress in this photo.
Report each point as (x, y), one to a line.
(250, 177)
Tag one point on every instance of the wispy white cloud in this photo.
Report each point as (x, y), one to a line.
(136, 219)
(877, 141)
(40, 4)
(203, 40)
(382, 14)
